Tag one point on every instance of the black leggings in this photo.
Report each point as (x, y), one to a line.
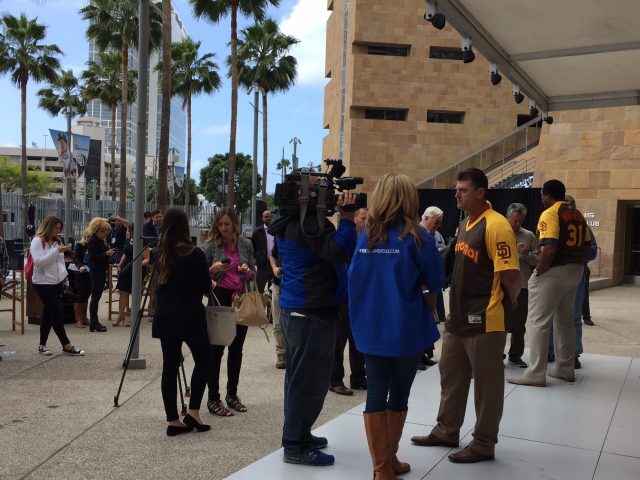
(198, 344)
(234, 356)
(98, 281)
(51, 312)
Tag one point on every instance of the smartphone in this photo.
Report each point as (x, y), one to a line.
(225, 260)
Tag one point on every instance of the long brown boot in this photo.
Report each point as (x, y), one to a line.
(77, 313)
(395, 425)
(375, 425)
(85, 319)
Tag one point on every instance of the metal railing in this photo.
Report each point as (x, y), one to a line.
(490, 156)
(82, 212)
(517, 173)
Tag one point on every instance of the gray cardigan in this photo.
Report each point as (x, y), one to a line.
(215, 253)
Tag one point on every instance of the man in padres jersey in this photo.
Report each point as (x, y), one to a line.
(565, 240)
(484, 290)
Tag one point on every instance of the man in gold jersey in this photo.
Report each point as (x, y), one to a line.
(565, 242)
(484, 290)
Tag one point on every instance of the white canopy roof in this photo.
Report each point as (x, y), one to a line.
(565, 54)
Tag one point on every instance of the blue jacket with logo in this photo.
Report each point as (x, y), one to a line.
(389, 316)
(314, 271)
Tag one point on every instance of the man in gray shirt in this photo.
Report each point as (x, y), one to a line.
(528, 253)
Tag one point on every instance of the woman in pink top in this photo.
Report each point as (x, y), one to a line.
(231, 260)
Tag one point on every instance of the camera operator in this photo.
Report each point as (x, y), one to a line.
(313, 284)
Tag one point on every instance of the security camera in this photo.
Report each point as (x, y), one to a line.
(496, 78)
(517, 96)
(547, 118)
(467, 51)
(438, 20)
(533, 111)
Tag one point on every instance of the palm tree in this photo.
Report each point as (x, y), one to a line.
(263, 62)
(165, 107)
(25, 57)
(114, 25)
(282, 165)
(103, 81)
(214, 11)
(191, 76)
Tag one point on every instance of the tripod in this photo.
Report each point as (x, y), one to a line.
(136, 329)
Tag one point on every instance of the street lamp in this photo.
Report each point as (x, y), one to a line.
(172, 162)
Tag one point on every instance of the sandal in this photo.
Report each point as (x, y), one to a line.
(233, 401)
(217, 408)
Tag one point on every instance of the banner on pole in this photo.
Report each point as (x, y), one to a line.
(71, 166)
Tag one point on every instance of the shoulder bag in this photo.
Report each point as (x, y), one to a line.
(221, 322)
(250, 306)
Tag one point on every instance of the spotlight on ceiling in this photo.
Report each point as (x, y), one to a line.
(547, 118)
(533, 111)
(438, 20)
(517, 96)
(496, 78)
(467, 51)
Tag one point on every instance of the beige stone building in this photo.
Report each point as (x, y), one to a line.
(402, 80)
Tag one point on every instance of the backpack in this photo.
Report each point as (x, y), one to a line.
(28, 269)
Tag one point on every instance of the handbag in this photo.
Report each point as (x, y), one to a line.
(250, 306)
(221, 322)
(29, 267)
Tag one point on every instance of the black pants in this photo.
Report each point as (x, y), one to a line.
(98, 279)
(518, 325)
(82, 284)
(234, 355)
(586, 309)
(51, 313)
(198, 345)
(263, 276)
(356, 359)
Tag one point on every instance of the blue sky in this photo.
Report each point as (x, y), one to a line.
(295, 113)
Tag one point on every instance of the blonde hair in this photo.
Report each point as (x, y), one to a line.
(45, 230)
(97, 225)
(214, 234)
(394, 202)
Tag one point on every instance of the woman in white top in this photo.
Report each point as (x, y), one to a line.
(49, 274)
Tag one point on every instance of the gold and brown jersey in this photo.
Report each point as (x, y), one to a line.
(563, 224)
(485, 247)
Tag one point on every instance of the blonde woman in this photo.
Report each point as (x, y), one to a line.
(49, 275)
(230, 258)
(391, 323)
(99, 255)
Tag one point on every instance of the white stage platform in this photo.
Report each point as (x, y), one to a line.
(586, 430)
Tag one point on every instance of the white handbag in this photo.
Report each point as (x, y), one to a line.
(221, 323)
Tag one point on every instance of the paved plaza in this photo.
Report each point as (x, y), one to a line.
(57, 418)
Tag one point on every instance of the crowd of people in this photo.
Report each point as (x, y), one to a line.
(375, 281)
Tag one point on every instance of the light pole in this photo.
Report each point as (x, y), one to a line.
(254, 164)
(295, 141)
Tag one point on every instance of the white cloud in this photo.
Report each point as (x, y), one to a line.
(308, 23)
(213, 130)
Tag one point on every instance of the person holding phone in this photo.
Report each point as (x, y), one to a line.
(231, 260)
(98, 261)
(49, 276)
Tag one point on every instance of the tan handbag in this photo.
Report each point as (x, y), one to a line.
(250, 306)
(221, 323)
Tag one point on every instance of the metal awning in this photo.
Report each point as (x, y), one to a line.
(564, 54)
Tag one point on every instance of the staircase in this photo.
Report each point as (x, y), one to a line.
(502, 160)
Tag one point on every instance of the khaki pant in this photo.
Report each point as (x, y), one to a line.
(551, 300)
(277, 331)
(480, 355)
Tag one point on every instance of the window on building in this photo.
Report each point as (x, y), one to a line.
(441, 116)
(385, 114)
(390, 50)
(445, 53)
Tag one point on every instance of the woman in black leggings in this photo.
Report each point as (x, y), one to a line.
(183, 278)
(98, 262)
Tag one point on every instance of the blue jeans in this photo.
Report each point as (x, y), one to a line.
(577, 318)
(310, 343)
(389, 381)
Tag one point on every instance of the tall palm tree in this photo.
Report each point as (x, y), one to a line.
(64, 96)
(215, 11)
(24, 57)
(165, 107)
(103, 82)
(191, 76)
(114, 25)
(263, 62)
(282, 165)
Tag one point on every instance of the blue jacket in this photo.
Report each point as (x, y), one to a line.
(314, 271)
(389, 316)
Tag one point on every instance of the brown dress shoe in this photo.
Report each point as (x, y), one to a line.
(467, 455)
(341, 390)
(432, 441)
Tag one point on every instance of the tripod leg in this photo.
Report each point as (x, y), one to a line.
(187, 388)
(184, 407)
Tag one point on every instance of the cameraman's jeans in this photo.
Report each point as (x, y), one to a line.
(310, 343)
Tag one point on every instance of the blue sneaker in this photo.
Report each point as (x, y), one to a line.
(319, 442)
(312, 457)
